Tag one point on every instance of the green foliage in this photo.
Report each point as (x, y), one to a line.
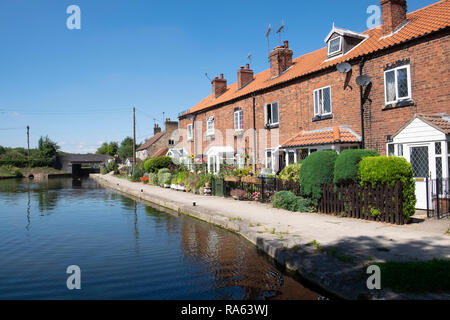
(377, 171)
(417, 276)
(126, 148)
(164, 177)
(153, 178)
(108, 148)
(289, 201)
(2, 150)
(47, 148)
(18, 174)
(317, 170)
(291, 172)
(137, 174)
(110, 166)
(154, 164)
(346, 166)
(191, 181)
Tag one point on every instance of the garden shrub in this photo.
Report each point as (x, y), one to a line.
(375, 171)
(192, 181)
(289, 201)
(153, 178)
(291, 172)
(110, 166)
(137, 174)
(346, 166)
(163, 176)
(317, 170)
(153, 165)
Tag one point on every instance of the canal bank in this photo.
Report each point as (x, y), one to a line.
(331, 252)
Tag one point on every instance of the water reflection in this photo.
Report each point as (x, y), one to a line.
(127, 250)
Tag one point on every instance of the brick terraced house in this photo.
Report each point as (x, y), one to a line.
(314, 102)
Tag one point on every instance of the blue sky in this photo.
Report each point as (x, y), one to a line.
(79, 86)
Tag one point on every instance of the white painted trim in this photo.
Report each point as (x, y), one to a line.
(331, 102)
(329, 45)
(408, 76)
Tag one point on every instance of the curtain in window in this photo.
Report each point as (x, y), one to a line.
(390, 86)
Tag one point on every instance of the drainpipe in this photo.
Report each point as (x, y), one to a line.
(254, 134)
(361, 97)
(194, 136)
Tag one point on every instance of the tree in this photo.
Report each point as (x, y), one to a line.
(108, 148)
(47, 148)
(2, 150)
(126, 148)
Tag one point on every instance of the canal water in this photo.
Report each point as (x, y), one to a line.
(124, 249)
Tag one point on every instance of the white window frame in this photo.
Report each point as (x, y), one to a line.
(408, 77)
(340, 46)
(210, 131)
(271, 158)
(321, 111)
(266, 120)
(237, 125)
(189, 132)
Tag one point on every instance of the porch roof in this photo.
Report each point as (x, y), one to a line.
(322, 136)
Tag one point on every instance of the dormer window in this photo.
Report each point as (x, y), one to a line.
(334, 46)
(340, 41)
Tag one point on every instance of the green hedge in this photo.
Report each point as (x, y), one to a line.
(346, 166)
(153, 178)
(317, 170)
(289, 201)
(22, 163)
(376, 171)
(153, 165)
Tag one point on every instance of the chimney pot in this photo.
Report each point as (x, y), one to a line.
(244, 76)
(221, 76)
(219, 86)
(248, 66)
(286, 43)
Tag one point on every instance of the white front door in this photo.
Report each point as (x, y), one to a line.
(420, 161)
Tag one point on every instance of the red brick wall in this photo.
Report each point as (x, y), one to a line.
(430, 77)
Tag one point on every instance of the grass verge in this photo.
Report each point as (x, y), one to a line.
(417, 276)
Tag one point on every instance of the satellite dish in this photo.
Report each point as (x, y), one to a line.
(363, 80)
(344, 67)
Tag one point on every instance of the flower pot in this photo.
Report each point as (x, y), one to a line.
(166, 185)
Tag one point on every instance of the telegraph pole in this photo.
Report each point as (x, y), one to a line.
(134, 138)
(28, 143)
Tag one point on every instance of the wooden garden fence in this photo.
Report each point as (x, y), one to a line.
(382, 203)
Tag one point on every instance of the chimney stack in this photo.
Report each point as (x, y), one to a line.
(245, 76)
(156, 129)
(219, 86)
(280, 59)
(393, 14)
(170, 126)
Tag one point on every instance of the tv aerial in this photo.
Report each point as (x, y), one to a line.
(280, 29)
(269, 29)
(344, 67)
(249, 57)
(206, 75)
(363, 80)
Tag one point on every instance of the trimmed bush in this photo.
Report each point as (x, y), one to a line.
(289, 201)
(137, 174)
(153, 165)
(291, 172)
(346, 166)
(377, 171)
(316, 170)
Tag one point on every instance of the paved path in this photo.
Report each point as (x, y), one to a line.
(276, 230)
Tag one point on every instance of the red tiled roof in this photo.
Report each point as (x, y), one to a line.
(322, 136)
(439, 121)
(424, 21)
(151, 141)
(160, 152)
